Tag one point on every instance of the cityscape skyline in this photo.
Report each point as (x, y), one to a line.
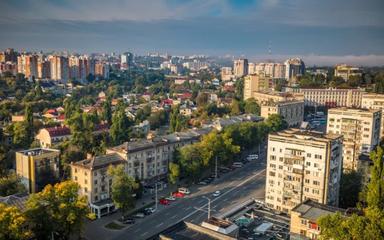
(306, 29)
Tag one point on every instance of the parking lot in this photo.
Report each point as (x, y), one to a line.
(260, 223)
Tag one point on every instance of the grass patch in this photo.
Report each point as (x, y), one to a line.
(114, 226)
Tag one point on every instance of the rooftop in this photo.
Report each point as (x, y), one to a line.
(38, 151)
(306, 134)
(189, 231)
(100, 161)
(17, 200)
(353, 110)
(311, 210)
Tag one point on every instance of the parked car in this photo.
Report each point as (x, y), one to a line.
(237, 164)
(202, 183)
(127, 220)
(184, 190)
(216, 194)
(149, 211)
(178, 194)
(164, 201)
(170, 198)
(139, 215)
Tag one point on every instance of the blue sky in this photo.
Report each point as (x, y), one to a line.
(321, 31)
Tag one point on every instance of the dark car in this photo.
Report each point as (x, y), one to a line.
(127, 220)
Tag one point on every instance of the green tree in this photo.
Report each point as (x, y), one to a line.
(158, 119)
(275, 122)
(107, 112)
(11, 184)
(57, 211)
(120, 128)
(174, 172)
(235, 107)
(375, 187)
(21, 137)
(251, 106)
(123, 187)
(13, 224)
(177, 121)
(239, 88)
(350, 187)
(202, 99)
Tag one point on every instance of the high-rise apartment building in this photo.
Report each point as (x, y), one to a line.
(102, 70)
(360, 129)
(43, 68)
(294, 67)
(27, 65)
(346, 71)
(256, 83)
(59, 68)
(126, 60)
(374, 101)
(240, 67)
(302, 165)
(37, 167)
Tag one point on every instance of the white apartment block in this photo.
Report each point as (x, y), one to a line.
(360, 129)
(291, 111)
(332, 97)
(302, 165)
(374, 101)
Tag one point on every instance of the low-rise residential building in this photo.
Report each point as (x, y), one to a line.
(302, 165)
(374, 101)
(360, 129)
(37, 167)
(49, 137)
(94, 181)
(291, 111)
(304, 219)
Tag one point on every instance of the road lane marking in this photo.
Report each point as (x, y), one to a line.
(158, 225)
(144, 233)
(174, 216)
(188, 208)
(137, 230)
(222, 195)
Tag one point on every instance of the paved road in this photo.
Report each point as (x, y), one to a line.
(236, 187)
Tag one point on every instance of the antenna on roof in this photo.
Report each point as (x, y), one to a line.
(269, 48)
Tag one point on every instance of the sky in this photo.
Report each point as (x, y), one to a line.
(320, 31)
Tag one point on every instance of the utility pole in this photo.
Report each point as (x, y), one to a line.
(156, 196)
(216, 167)
(209, 206)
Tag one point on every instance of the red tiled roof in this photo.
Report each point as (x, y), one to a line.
(58, 131)
(51, 111)
(101, 126)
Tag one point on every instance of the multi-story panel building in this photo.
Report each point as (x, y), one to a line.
(37, 167)
(304, 217)
(43, 68)
(240, 67)
(294, 67)
(126, 60)
(102, 70)
(59, 68)
(256, 83)
(360, 129)
(302, 165)
(346, 71)
(94, 181)
(291, 111)
(374, 101)
(27, 65)
(332, 97)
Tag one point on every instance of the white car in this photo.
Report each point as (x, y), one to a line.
(216, 194)
(171, 198)
(184, 190)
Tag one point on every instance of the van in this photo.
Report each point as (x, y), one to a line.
(184, 190)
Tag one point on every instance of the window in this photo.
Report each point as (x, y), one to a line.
(75, 178)
(85, 181)
(317, 183)
(85, 189)
(272, 174)
(75, 170)
(308, 155)
(306, 180)
(303, 221)
(316, 165)
(308, 164)
(96, 198)
(95, 182)
(273, 157)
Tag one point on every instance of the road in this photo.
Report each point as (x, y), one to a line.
(236, 187)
